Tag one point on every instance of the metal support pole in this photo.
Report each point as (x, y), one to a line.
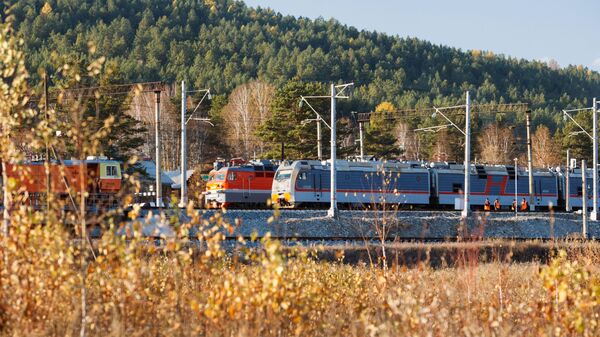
(360, 133)
(183, 201)
(319, 146)
(6, 200)
(466, 206)
(594, 215)
(516, 203)
(333, 211)
(530, 161)
(568, 183)
(584, 198)
(157, 149)
(47, 159)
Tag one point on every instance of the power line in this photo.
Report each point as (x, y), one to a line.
(363, 117)
(111, 89)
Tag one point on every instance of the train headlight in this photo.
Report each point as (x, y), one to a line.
(274, 198)
(287, 196)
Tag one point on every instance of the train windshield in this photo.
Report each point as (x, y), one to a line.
(219, 176)
(283, 175)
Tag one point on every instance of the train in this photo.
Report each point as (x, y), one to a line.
(241, 184)
(103, 179)
(306, 183)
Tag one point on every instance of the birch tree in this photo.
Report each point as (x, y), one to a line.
(13, 108)
(546, 151)
(246, 110)
(408, 141)
(496, 145)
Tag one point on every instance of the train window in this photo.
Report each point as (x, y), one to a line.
(231, 176)
(220, 176)
(302, 176)
(283, 175)
(456, 188)
(579, 191)
(111, 171)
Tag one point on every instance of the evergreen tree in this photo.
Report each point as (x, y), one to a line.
(380, 140)
(579, 143)
(286, 126)
(223, 44)
(125, 137)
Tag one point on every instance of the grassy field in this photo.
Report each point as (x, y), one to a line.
(133, 289)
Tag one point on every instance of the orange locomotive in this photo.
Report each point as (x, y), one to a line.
(103, 178)
(240, 185)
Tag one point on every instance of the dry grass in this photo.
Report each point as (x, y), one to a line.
(135, 290)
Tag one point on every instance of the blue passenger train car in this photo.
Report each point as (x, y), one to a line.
(493, 182)
(307, 182)
(575, 193)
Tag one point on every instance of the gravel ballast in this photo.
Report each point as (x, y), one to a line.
(406, 224)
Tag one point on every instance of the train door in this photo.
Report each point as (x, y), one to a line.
(315, 177)
(248, 188)
(538, 192)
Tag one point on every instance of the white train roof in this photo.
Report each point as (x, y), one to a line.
(501, 170)
(415, 166)
(365, 166)
(577, 172)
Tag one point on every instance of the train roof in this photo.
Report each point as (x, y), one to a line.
(345, 165)
(577, 172)
(250, 167)
(72, 162)
(92, 161)
(488, 169)
(407, 166)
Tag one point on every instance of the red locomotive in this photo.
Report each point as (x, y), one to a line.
(240, 184)
(103, 178)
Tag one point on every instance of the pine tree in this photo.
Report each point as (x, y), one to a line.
(126, 134)
(285, 126)
(380, 140)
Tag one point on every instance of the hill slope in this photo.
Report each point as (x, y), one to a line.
(223, 43)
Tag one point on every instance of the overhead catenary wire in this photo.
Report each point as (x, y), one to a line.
(457, 109)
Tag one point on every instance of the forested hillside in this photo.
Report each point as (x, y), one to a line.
(224, 44)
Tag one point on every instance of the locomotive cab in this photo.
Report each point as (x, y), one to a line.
(244, 185)
(104, 176)
(282, 187)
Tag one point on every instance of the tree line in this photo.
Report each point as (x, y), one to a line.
(259, 62)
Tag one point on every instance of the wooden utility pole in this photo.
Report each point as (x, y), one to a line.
(47, 159)
(157, 149)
